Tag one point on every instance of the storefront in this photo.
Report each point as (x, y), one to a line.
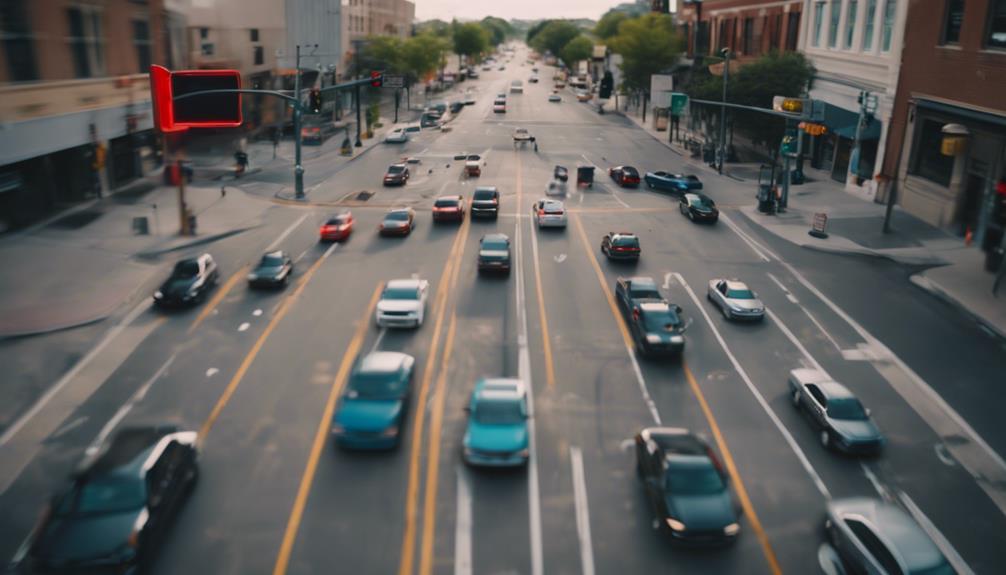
(834, 151)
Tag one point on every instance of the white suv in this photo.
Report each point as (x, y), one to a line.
(516, 87)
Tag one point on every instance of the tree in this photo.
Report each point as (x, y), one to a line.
(435, 27)
(607, 26)
(579, 48)
(470, 39)
(381, 53)
(536, 29)
(649, 45)
(497, 28)
(422, 54)
(775, 74)
(554, 36)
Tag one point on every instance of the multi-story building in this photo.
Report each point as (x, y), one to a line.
(749, 28)
(362, 18)
(75, 115)
(952, 86)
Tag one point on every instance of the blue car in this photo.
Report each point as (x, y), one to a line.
(497, 433)
(373, 406)
(678, 183)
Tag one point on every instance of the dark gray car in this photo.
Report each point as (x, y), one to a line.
(878, 538)
(843, 422)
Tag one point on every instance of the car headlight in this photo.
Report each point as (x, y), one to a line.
(252, 277)
(158, 294)
(677, 339)
(674, 524)
(731, 529)
(653, 338)
(524, 452)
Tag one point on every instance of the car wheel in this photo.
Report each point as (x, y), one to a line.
(795, 398)
(825, 439)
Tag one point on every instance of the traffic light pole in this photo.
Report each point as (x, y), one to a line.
(298, 169)
(358, 142)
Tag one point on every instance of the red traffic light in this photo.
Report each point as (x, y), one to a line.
(221, 110)
(376, 79)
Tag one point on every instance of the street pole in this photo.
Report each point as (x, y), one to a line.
(784, 200)
(298, 169)
(358, 142)
(723, 111)
(182, 208)
(397, 97)
(889, 210)
(854, 163)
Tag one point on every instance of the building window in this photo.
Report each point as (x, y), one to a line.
(204, 33)
(890, 6)
(206, 49)
(723, 34)
(871, 14)
(775, 42)
(254, 34)
(952, 22)
(748, 35)
(850, 23)
(141, 38)
(996, 37)
(836, 15)
(86, 42)
(259, 56)
(792, 31)
(818, 22)
(18, 42)
(927, 161)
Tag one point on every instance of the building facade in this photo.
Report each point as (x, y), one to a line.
(749, 28)
(74, 96)
(364, 18)
(952, 86)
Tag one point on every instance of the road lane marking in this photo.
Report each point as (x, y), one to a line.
(218, 297)
(943, 455)
(407, 561)
(307, 479)
(212, 371)
(137, 397)
(620, 322)
(275, 243)
(244, 326)
(378, 339)
(793, 339)
(463, 527)
(818, 482)
(301, 256)
(69, 427)
(954, 558)
(755, 246)
(880, 488)
(785, 290)
(546, 339)
(257, 347)
(582, 512)
(806, 311)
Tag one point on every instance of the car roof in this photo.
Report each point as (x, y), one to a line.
(641, 282)
(275, 253)
(502, 384)
(486, 189)
(676, 440)
(835, 390)
(397, 165)
(621, 235)
(494, 395)
(905, 538)
(736, 284)
(404, 283)
(450, 197)
(495, 237)
(654, 306)
(382, 362)
(123, 452)
(397, 210)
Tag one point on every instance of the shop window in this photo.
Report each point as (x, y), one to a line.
(996, 36)
(18, 41)
(927, 161)
(952, 21)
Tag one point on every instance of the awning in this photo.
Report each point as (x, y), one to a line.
(843, 123)
(994, 119)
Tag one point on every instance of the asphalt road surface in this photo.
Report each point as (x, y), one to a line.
(257, 374)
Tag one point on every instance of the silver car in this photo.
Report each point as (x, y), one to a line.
(878, 538)
(549, 213)
(735, 299)
(402, 303)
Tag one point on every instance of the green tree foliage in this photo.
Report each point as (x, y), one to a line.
(497, 28)
(534, 30)
(382, 53)
(435, 27)
(554, 37)
(607, 26)
(579, 48)
(649, 45)
(470, 39)
(423, 54)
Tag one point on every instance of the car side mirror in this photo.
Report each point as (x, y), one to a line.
(868, 412)
(677, 309)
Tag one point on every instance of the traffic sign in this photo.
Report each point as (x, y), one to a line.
(679, 102)
(394, 81)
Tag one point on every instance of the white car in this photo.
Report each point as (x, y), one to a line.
(499, 107)
(521, 135)
(516, 87)
(397, 136)
(735, 299)
(549, 213)
(403, 303)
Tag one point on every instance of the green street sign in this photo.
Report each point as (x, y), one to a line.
(679, 102)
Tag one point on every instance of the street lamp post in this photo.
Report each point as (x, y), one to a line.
(723, 110)
(298, 168)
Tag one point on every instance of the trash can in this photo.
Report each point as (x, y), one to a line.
(192, 224)
(765, 203)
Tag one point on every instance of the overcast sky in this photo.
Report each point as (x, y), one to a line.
(508, 9)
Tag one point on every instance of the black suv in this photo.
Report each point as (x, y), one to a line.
(486, 202)
(189, 282)
(119, 503)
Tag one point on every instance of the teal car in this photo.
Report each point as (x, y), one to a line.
(372, 409)
(497, 433)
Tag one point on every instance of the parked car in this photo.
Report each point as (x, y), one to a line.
(429, 120)
(486, 202)
(273, 270)
(669, 182)
(316, 131)
(842, 421)
(337, 227)
(397, 135)
(735, 299)
(497, 432)
(189, 282)
(372, 409)
(698, 208)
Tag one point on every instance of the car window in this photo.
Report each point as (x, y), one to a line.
(186, 269)
(104, 495)
(814, 391)
(693, 480)
(627, 241)
(271, 260)
(495, 245)
(396, 169)
(700, 202)
(375, 386)
(657, 321)
(647, 292)
(721, 287)
(446, 203)
(875, 546)
(846, 408)
(628, 171)
(397, 216)
(400, 293)
(498, 412)
(740, 294)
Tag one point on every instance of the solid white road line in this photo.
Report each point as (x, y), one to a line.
(275, 243)
(69, 426)
(956, 561)
(582, 512)
(785, 290)
(463, 527)
(793, 339)
(126, 408)
(757, 248)
(882, 490)
(377, 341)
(811, 316)
(818, 482)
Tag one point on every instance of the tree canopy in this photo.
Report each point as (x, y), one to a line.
(497, 28)
(579, 48)
(648, 45)
(470, 39)
(554, 37)
(607, 26)
(536, 29)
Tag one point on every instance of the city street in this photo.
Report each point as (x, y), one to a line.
(258, 375)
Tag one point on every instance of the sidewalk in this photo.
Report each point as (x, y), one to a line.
(956, 272)
(81, 265)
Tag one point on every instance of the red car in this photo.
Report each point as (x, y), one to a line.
(625, 176)
(398, 222)
(449, 208)
(337, 227)
(396, 175)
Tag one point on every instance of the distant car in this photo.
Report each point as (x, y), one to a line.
(494, 253)
(497, 433)
(631, 291)
(625, 176)
(273, 270)
(698, 208)
(583, 96)
(843, 422)
(440, 107)
(398, 222)
(876, 537)
(402, 303)
(521, 135)
(430, 119)
(473, 74)
(560, 173)
(413, 128)
(501, 96)
(189, 282)
(486, 68)
(560, 84)
(554, 98)
(656, 328)
(449, 208)
(337, 227)
(372, 409)
(457, 106)
(556, 188)
(516, 87)
(470, 99)
(533, 79)
(668, 182)
(499, 107)
(486, 202)
(620, 246)
(397, 174)
(317, 132)
(501, 68)
(118, 505)
(473, 166)
(686, 486)
(549, 213)
(735, 299)
(396, 136)
(534, 69)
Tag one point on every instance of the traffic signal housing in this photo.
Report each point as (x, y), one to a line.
(376, 79)
(607, 86)
(314, 101)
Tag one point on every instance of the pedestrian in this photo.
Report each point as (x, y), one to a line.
(223, 191)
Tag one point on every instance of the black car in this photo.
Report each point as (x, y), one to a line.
(118, 505)
(457, 107)
(486, 202)
(686, 486)
(620, 246)
(273, 270)
(656, 328)
(494, 253)
(560, 173)
(698, 208)
(189, 282)
(397, 174)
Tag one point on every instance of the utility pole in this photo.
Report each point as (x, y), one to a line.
(723, 110)
(397, 97)
(358, 142)
(298, 168)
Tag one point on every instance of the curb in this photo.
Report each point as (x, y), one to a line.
(151, 254)
(938, 292)
(58, 327)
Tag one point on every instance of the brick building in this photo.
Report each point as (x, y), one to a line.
(749, 28)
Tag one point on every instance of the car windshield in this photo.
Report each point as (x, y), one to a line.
(740, 294)
(271, 261)
(701, 202)
(644, 292)
(483, 195)
(630, 171)
(337, 220)
(446, 203)
(397, 216)
(660, 321)
(498, 413)
(474, 157)
(106, 495)
(693, 481)
(375, 386)
(400, 293)
(494, 245)
(846, 408)
(396, 169)
(186, 269)
(626, 242)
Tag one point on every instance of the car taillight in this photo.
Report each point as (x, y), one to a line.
(558, 213)
(541, 212)
(495, 201)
